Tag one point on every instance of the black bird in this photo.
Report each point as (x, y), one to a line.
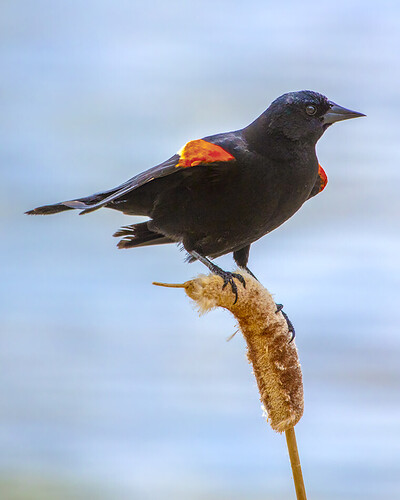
(221, 193)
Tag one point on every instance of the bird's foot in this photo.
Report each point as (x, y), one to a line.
(225, 275)
(279, 308)
(228, 280)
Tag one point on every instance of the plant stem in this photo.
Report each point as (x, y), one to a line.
(295, 463)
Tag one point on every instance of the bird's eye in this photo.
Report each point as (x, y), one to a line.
(311, 110)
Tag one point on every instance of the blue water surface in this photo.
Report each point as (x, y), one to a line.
(113, 388)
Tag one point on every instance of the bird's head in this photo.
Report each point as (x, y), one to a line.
(304, 115)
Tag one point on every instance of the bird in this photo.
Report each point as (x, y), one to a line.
(221, 193)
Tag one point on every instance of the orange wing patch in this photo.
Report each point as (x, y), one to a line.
(199, 151)
(323, 178)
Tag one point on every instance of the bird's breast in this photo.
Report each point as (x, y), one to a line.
(278, 190)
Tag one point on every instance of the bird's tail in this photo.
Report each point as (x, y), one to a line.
(139, 235)
(86, 204)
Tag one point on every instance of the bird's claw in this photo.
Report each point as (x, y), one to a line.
(228, 279)
(291, 329)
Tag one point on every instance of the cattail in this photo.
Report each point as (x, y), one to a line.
(269, 349)
(274, 358)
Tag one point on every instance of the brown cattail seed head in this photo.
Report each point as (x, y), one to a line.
(275, 361)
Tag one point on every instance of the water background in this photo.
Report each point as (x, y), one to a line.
(112, 388)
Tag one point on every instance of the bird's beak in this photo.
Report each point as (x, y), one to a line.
(337, 113)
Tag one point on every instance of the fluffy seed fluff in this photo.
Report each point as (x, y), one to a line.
(275, 361)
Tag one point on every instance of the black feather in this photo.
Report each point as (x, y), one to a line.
(137, 235)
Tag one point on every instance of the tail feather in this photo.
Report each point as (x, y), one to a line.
(86, 204)
(139, 235)
(49, 209)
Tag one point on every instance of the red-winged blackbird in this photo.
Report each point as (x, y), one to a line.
(221, 193)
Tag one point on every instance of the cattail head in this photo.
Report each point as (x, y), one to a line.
(274, 358)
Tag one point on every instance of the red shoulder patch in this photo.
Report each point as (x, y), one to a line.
(323, 178)
(200, 151)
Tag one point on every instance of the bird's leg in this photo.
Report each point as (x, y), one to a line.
(225, 275)
(248, 271)
(241, 258)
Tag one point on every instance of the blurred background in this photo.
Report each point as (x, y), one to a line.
(115, 389)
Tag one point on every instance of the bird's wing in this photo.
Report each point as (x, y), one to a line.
(194, 153)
